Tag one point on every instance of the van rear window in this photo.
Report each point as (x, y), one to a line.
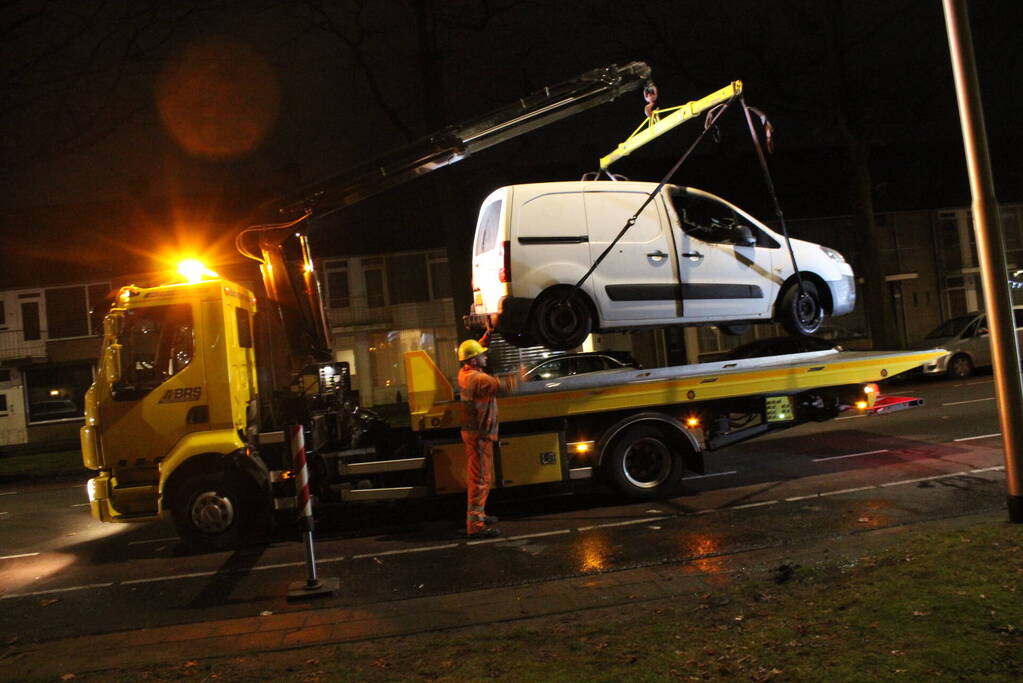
(486, 231)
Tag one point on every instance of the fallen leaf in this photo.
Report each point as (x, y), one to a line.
(265, 613)
(192, 663)
(68, 677)
(46, 602)
(918, 613)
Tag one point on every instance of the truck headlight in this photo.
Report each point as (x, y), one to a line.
(833, 255)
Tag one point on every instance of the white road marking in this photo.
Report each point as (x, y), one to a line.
(11, 557)
(850, 417)
(970, 384)
(542, 533)
(712, 474)
(996, 468)
(750, 505)
(850, 455)
(482, 541)
(153, 540)
(153, 579)
(974, 400)
(4, 514)
(627, 522)
(853, 490)
(982, 436)
(8, 493)
(408, 550)
(8, 596)
(81, 505)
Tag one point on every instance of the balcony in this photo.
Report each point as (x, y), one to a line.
(13, 345)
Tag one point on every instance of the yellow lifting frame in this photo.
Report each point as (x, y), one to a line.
(662, 120)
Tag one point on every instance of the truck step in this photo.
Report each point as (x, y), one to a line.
(375, 466)
(395, 493)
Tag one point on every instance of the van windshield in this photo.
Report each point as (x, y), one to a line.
(950, 328)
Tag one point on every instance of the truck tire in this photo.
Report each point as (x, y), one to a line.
(643, 465)
(560, 323)
(211, 512)
(801, 315)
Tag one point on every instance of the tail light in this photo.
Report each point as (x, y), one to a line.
(505, 274)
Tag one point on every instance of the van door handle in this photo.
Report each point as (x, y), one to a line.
(657, 254)
(692, 254)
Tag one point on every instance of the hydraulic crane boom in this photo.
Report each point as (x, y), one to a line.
(454, 143)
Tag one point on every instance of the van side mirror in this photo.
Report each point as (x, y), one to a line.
(744, 236)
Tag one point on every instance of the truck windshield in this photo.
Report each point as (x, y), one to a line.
(156, 343)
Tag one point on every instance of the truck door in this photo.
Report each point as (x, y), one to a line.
(162, 394)
(723, 276)
(636, 281)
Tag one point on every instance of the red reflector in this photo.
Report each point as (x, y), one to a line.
(505, 274)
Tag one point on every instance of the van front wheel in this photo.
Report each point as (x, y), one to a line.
(801, 314)
(561, 322)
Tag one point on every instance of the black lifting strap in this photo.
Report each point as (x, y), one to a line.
(770, 183)
(716, 113)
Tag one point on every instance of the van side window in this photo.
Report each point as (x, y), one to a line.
(713, 221)
(486, 232)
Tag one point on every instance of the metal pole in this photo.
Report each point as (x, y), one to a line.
(991, 250)
(312, 586)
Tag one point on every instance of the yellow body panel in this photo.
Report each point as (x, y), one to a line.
(829, 371)
(530, 459)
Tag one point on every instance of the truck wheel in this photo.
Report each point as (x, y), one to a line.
(801, 315)
(559, 323)
(643, 465)
(211, 513)
(960, 366)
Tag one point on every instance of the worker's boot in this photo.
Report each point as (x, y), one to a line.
(492, 532)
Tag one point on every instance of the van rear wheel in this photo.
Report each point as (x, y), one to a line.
(559, 321)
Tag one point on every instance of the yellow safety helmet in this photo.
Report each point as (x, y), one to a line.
(470, 348)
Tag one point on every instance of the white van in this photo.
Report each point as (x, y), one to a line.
(691, 258)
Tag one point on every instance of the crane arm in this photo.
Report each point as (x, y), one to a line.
(454, 143)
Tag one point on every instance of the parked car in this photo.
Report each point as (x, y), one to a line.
(690, 258)
(779, 346)
(580, 363)
(968, 342)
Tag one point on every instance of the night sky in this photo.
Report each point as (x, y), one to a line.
(135, 128)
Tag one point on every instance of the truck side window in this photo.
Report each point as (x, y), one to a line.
(244, 328)
(157, 343)
(486, 232)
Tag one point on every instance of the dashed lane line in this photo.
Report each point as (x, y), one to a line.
(850, 455)
(972, 400)
(712, 474)
(81, 505)
(50, 591)
(628, 522)
(403, 551)
(8, 493)
(153, 540)
(540, 534)
(982, 436)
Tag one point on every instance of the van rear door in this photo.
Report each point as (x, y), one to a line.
(637, 280)
(488, 255)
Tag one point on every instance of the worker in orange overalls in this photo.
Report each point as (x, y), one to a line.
(478, 392)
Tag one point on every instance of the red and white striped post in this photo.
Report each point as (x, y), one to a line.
(304, 503)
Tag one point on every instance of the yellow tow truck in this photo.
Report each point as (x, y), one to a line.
(201, 380)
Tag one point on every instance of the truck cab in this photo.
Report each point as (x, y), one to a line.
(172, 406)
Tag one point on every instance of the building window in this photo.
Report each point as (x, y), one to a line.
(373, 272)
(406, 279)
(30, 321)
(338, 295)
(76, 311)
(57, 392)
(3, 315)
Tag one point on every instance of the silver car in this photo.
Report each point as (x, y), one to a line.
(968, 342)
